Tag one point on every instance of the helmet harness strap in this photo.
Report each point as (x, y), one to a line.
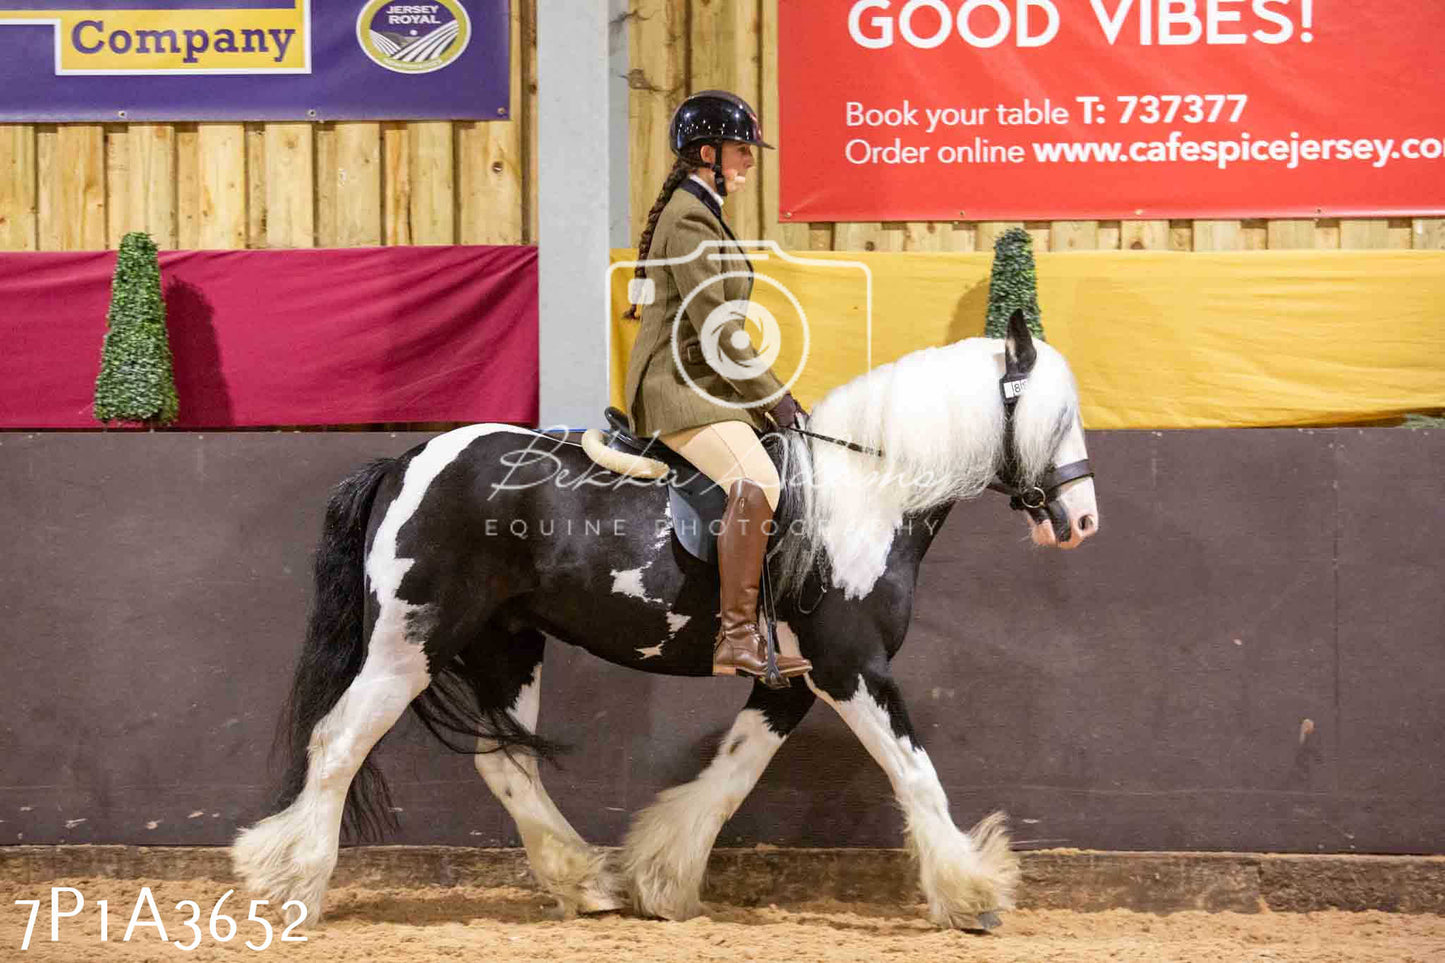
(718, 180)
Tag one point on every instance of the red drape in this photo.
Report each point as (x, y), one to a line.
(351, 336)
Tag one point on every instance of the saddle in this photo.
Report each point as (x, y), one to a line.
(695, 502)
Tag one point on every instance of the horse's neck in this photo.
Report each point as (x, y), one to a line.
(916, 535)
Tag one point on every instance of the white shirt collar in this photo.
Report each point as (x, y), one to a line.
(708, 187)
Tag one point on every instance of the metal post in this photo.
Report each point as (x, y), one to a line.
(573, 114)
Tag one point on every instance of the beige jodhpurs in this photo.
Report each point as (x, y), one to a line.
(725, 452)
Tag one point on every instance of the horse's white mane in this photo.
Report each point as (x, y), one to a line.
(937, 416)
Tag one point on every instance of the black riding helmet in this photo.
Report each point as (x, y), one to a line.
(711, 117)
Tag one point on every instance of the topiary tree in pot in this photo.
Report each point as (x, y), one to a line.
(1013, 284)
(136, 383)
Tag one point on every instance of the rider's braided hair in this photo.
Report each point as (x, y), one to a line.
(684, 165)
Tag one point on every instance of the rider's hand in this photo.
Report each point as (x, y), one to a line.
(787, 411)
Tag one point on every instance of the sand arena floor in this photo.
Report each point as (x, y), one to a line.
(514, 924)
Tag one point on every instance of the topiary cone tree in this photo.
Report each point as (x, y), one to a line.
(136, 383)
(1013, 285)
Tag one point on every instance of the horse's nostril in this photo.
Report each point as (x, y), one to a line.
(1086, 524)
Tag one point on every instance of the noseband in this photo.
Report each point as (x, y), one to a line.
(1039, 500)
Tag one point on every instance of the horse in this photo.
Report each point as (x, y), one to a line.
(441, 573)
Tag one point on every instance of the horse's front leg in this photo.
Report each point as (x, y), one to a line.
(966, 877)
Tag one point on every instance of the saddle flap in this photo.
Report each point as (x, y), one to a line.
(695, 516)
(695, 502)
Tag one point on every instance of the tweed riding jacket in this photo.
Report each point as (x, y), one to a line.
(659, 398)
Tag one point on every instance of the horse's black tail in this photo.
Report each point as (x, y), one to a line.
(465, 704)
(334, 652)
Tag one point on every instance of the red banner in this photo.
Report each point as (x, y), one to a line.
(328, 337)
(1060, 109)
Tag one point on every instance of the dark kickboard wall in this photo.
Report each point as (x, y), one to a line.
(1249, 656)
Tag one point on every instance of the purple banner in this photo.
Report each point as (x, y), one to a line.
(180, 60)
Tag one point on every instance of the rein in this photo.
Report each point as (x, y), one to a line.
(850, 445)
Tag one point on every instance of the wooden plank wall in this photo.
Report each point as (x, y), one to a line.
(682, 45)
(76, 187)
(82, 186)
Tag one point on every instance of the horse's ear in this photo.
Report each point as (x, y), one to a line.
(1018, 345)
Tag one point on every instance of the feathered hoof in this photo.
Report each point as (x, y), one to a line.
(959, 918)
(661, 895)
(985, 922)
(660, 900)
(576, 874)
(967, 890)
(602, 892)
(594, 906)
(673, 914)
(265, 857)
(664, 856)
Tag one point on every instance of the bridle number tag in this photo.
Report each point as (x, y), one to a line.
(1013, 389)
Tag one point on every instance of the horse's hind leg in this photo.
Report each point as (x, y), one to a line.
(561, 860)
(665, 853)
(291, 854)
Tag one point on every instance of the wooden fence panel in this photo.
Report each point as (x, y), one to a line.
(221, 162)
(357, 180)
(18, 201)
(1074, 236)
(256, 185)
(1429, 233)
(725, 54)
(788, 234)
(1292, 233)
(396, 184)
(1210, 235)
(1144, 235)
(188, 186)
(868, 236)
(70, 161)
(528, 42)
(657, 45)
(492, 163)
(327, 172)
(433, 193)
(151, 188)
(1365, 232)
(988, 232)
(938, 236)
(117, 177)
(290, 180)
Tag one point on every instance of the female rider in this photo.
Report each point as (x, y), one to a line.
(705, 395)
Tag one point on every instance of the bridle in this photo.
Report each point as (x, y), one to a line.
(1040, 500)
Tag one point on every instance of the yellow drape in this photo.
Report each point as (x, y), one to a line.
(1155, 339)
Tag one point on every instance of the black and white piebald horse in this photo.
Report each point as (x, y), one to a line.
(441, 573)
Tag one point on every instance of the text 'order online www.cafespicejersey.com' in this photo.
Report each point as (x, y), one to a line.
(1289, 150)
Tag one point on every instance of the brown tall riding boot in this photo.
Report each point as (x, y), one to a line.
(740, 546)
